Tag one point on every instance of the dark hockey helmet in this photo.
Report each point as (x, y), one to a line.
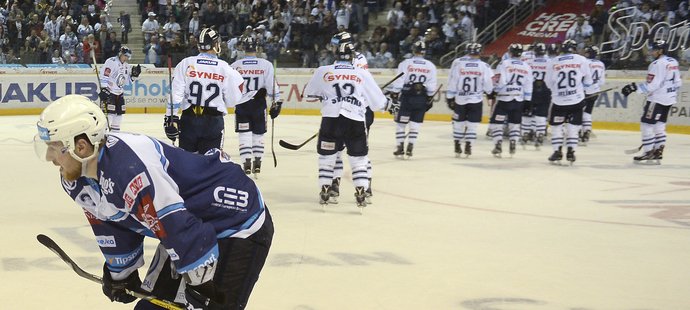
(569, 46)
(419, 47)
(125, 51)
(341, 37)
(591, 52)
(249, 44)
(660, 45)
(473, 49)
(515, 50)
(539, 49)
(345, 51)
(209, 40)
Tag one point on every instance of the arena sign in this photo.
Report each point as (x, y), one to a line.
(630, 36)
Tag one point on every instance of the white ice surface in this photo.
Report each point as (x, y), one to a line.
(443, 232)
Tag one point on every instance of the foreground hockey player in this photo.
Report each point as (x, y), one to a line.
(513, 87)
(469, 78)
(567, 77)
(415, 90)
(250, 117)
(598, 70)
(115, 74)
(345, 91)
(204, 86)
(661, 88)
(214, 228)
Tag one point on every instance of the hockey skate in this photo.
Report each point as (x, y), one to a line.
(659, 153)
(468, 149)
(247, 166)
(539, 141)
(498, 149)
(334, 191)
(648, 158)
(399, 152)
(556, 157)
(408, 152)
(458, 148)
(584, 137)
(360, 197)
(511, 148)
(324, 196)
(257, 167)
(570, 155)
(368, 193)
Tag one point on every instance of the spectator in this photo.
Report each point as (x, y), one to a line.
(35, 24)
(406, 43)
(194, 24)
(466, 26)
(152, 52)
(68, 41)
(382, 58)
(4, 38)
(84, 29)
(243, 9)
(17, 30)
(53, 28)
(395, 16)
(57, 59)
(171, 29)
(211, 17)
(450, 30)
(434, 44)
(150, 27)
(598, 18)
(342, 16)
(102, 28)
(126, 26)
(111, 46)
(91, 45)
(326, 58)
(579, 32)
(192, 48)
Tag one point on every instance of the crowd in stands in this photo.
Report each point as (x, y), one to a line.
(74, 31)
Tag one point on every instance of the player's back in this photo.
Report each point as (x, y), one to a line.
(416, 70)
(469, 78)
(514, 80)
(256, 72)
(567, 78)
(205, 80)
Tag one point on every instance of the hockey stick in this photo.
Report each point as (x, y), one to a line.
(273, 104)
(172, 111)
(51, 245)
(98, 76)
(295, 147)
(633, 151)
(600, 92)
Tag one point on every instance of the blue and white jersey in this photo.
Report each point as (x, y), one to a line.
(185, 200)
(598, 71)
(257, 73)
(663, 81)
(468, 79)
(115, 75)
(415, 70)
(567, 77)
(513, 80)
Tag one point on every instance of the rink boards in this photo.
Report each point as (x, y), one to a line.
(28, 90)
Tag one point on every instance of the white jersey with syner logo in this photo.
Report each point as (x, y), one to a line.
(598, 71)
(206, 81)
(257, 73)
(360, 61)
(345, 90)
(416, 70)
(115, 75)
(468, 79)
(663, 81)
(513, 81)
(567, 77)
(538, 64)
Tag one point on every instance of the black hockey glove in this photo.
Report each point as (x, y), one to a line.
(429, 102)
(629, 89)
(451, 103)
(393, 106)
(171, 124)
(275, 109)
(116, 290)
(261, 93)
(204, 296)
(136, 71)
(104, 95)
(491, 96)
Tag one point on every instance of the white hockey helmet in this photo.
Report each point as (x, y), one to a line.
(67, 118)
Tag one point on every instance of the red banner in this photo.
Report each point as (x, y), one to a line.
(547, 24)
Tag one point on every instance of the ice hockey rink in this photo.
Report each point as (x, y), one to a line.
(442, 232)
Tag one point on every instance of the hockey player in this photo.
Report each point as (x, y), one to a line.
(568, 77)
(513, 86)
(534, 116)
(415, 90)
(204, 86)
(661, 88)
(359, 61)
(468, 79)
(115, 74)
(598, 70)
(346, 91)
(213, 226)
(250, 117)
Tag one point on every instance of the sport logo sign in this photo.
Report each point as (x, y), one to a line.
(630, 35)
